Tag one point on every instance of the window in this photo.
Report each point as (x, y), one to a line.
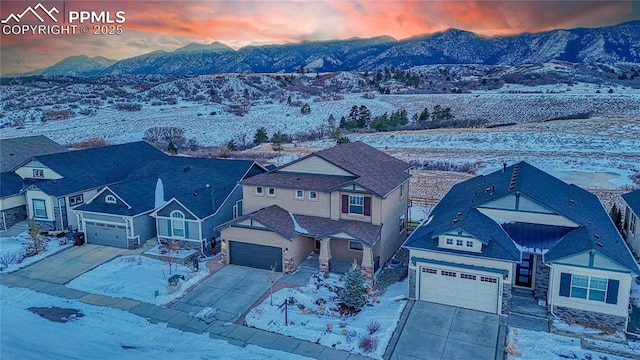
(259, 190)
(39, 209)
(110, 199)
(75, 200)
(467, 276)
(355, 245)
(356, 204)
(237, 209)
(458, 242)
(271, 192)
(585, 287)
(299, 194)
(177, 223)
(38, 173)
(449, 241)
(429, 271)
(488, 279)
(469, 243)
(313, 195)
(632, 224)
(401, 191)
(447, 273)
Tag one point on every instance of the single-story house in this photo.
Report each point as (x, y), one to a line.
(520, 227)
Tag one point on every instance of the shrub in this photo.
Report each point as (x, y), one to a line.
(37, 243)
(90, 143)
(373, 327)
(9, 258)
(128, 106)
(512, 347)
(368, 343)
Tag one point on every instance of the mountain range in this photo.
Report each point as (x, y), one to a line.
(619, 43)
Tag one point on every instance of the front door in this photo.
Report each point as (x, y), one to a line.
(524, 271)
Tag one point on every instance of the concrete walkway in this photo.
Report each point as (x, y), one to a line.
(35, 278)
(16, 229)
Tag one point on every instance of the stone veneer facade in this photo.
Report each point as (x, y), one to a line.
(506, 298)
(541, 289)
(572, 315)
(412, 283)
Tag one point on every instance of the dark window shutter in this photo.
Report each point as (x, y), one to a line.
(345, 204)
(612, 291)
(186, 229)
(565, 284)
(367, 206)
(169, 230)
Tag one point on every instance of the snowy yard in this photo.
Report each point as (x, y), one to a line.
(138, 277)
(312, 320)
(104, 333)
(536, 345)
(13, 251)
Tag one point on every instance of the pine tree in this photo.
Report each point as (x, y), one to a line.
(232, 146)
(354, 294)
(171, 148)
(277, 140)
(260, 136)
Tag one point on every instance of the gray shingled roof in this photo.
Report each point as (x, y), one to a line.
(15, 151)
(96, 167)
(596, 231)
(633, 200)
(372, 169)
(290, 225)
(10, 184)
(200, 184)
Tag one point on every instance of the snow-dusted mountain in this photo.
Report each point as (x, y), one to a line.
(620, 43)
(79, 65)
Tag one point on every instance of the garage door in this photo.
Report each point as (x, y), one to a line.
(255, 256)
(462, 289)
(106, 234)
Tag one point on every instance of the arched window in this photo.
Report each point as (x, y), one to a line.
(110, 199)
(177, 224)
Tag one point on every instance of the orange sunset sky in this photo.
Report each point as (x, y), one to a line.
(168, 25)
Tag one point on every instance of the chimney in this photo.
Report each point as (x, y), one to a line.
(159, 194)
(504, 166)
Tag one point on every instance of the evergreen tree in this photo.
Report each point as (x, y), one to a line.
(171, 148)
(260, 136)
(277, 140)
(354, 295)
(332, 123)
(232, 146)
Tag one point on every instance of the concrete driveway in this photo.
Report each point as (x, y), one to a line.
(230, 292)
(434, 331)
(70, 263)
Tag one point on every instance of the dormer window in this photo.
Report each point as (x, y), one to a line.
(110, 199)
(38, 173)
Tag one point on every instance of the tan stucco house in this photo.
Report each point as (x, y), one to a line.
(346, 203)
(631, 228)
(520, 227)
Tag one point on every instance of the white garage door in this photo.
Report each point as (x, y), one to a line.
(462, 289)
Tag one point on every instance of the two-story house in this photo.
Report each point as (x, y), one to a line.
(59, 182)
(346, 203)
(13, 153)
(520, 227)
(632, 220)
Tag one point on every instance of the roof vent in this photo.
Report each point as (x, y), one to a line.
(195, 194)
(596, 236)
(600, 244)
(186, 168)
(459, 213)
(207, 185)
(572, 201)
(455, 221)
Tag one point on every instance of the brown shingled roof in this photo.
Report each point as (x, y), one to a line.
(290, 226)
(298, 181)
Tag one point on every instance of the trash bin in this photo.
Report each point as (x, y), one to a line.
(78, 239)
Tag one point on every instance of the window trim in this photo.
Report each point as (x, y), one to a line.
(44, 208)
(38, 173)
(76, 200)
(469, 243)
(110, 199)
(314, 197)
(295, 194)
(358, 247)
(589, 289)
(270, 190)
(459, 242)
(449, 241)
(259, 191)
(175, 215)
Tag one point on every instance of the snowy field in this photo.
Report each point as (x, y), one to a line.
(138, 277)
(104, 333)
(13, 252)
(312, 323)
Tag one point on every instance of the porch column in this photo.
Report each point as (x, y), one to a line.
(325, 255)
(224, 252)
(367, 262)
(289, 262)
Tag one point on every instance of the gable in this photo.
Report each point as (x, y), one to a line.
(171, 206)
(26, 171)
(315, 165)
(592, 259)
(502, 215)
(101, 198)
(518, 202)
(342, 235)
(354, 188)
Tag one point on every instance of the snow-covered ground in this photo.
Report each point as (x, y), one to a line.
(104, 333)
(138, 277)
(12, 251)
(536, 345)
(346, 331)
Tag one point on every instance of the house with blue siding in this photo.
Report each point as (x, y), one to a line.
(521, 228)
(631, 228)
